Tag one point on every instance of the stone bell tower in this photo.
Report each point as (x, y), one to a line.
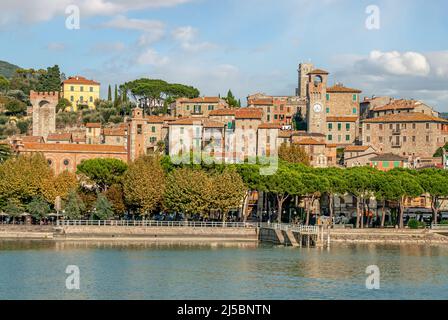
(44, 112)
(316, 101)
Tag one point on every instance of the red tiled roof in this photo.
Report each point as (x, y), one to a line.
(405, 117)
(269, 126)
(341, 89)
(93, 125)
(213, 124)
(342, 119)
(120, 131)
(32, 139)
(356, 148)
(80, 80)
(247, 113)
(398, 105)
(59, 137)
(89, 148)
(159, 119)
(310, 141)
(261, 102)
(223, 112)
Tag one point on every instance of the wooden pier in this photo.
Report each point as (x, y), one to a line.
(294, 235)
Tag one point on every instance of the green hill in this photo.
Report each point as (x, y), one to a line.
(7, 70)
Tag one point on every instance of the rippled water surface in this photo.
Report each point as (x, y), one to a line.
(36, 270)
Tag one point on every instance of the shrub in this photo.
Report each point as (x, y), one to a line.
(413, 224)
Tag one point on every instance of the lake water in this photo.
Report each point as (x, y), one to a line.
(36, 270)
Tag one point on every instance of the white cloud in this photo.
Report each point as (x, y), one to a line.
(396, 63)
(152, 57)
(439, 63)
(152, 30)
(187, 38)
(25, 11)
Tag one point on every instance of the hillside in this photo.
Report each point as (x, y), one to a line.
(7, 69)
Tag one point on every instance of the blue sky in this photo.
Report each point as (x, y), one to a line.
(245, 45)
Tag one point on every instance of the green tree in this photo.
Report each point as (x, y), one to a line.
(74, 207)
(231, 100)
(228, 191)
(4, 84)
(314, 186)
(435, 183)
(15, 107)
(50, 80)
(109, 93)
(5, 152)
(102, 172)
(293, 153)
(38, 208)
(188, 191)
(103, 208)
(336, 185)
(13, 208)
(116, 197)
(62, 105)
(144, 184)
(385, 188)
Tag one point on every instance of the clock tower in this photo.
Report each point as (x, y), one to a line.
(316, 101)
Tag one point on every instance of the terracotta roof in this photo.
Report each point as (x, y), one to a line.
(79, 138)
(310, 141)
(59, 137)
(80, 80)
(200, 100)
(318, 71)
(338, 88)
(398, 105)
(213, 124)
(93, 125)
(248, 113)
(342, 119)
(188, 121)
(356, 148)
(285, 134)
(307, 134)
(89, 148)
(388, 157)
(32, 139)
(331, 145)
(269, 126)
(159, 119)
(261, 102)
(120, 131)
(223, 112)
(406, 117)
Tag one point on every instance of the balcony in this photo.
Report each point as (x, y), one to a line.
(396, 132)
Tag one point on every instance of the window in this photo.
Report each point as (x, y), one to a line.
(275, 116)
(413, 138)
(139, 129)
(396, 164)
(91, 89)
(152, 139)
(269, 109)
(211, 107)
(188, 108)
(413, 126)
(72, 98)
(66, 162)
(330, 137)
(347, 126)
(328, 110)
(347, 137)
(368, 139)
(330, 126)
(355, 97)
(403, 125)
(385, 164)
(81, 89)
(328, 97)
(368, 126)
(355, 111)
(72, 88)
(381, 127)
(391, 126)
(269, 117)
(427, 138)
(49, 162)
(339, 126)
(153, 129)
(181, 130)
(427, 126)
(197, 109)
(404, 139)
(91, 99)
(81, 98)
(90, 130)
(380, 139)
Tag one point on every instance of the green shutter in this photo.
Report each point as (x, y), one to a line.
(328, 97)
(347, 126)
(330, 137)
(339, 126)
(385, 164)
(328, 110)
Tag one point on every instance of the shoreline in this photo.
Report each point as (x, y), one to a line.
(209, 235)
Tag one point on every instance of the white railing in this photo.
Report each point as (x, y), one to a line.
(152, 223)
(439, 226)
(191, 224)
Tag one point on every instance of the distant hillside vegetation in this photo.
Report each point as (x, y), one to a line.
(7, 69)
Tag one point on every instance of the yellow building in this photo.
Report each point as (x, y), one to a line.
(80, 91)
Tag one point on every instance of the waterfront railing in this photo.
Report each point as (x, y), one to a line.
(189, 224)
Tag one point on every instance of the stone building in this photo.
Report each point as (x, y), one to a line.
(93, 133)
(65, 137)
(388, 161)
(116, 136)
(197, 107)
(409, 134)
(358, 156)
(62, 157)
(44, 112)
(402, 106)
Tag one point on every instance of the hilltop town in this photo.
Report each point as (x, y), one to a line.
(333, 125)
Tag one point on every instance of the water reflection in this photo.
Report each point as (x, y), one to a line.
(129, 270)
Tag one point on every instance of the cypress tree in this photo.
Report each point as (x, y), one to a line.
(109, 94)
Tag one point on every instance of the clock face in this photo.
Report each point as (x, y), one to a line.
(317, 108)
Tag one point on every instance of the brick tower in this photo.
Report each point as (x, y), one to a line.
(44, 112)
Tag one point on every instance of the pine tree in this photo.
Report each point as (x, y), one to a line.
(103, 208)
(109, 94)
(74, 207)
